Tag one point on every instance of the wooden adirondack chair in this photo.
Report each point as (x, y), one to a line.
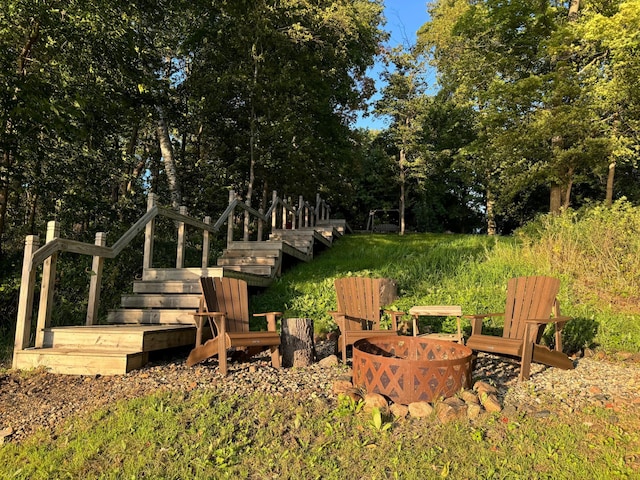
(531, 301)
(359, 310)
(225, 304)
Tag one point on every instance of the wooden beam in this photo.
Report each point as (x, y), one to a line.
(45, 307)
(25, 302)
(96, 282)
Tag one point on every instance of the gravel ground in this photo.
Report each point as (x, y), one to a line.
(32, 400)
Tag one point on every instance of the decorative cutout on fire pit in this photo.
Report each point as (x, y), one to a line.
(411, 369)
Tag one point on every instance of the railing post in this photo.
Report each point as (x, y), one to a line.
(318, 209)
(274, 210)
(232, 197)
(293, 214)
(25, 302)
(149, 231)
(285, 216)
(300, 211)
(95, 283)
(181, 235)
(205, 244)
(47, 287)
(260, 225)
(306, 214)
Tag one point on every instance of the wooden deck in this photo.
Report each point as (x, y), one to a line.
(157, 314)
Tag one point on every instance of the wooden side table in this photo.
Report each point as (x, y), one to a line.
(438, 311)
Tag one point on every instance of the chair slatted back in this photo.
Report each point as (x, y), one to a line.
(359, 297)
(230, 296)
(528, 298)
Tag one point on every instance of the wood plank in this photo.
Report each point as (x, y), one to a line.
(121, 336)
(164, 301)
(168, 286)
(69, 361)
(150, 316)
(181, 274)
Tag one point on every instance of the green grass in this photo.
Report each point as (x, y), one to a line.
(206, 435)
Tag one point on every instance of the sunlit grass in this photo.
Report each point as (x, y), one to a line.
(209, 435)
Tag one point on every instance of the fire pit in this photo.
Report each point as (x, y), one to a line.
(411, 369)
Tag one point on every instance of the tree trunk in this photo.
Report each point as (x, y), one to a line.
(297, 346)
(610, 177)
(491, 214)
(555, 199)
(5, 167)
(402, 190)
(166, 149)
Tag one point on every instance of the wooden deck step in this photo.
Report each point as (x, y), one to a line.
(151, 316)
(85, 361)
(160, 300)
(253, 269)
(168, 286)
(246, 260)
(191, 273)
(144, 338)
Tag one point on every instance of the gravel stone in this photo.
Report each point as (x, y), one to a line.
(37, 399)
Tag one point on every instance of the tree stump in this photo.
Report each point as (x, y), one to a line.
(296, 342)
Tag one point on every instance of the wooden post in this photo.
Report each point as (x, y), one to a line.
(285, 217)
(292, 213)
(300, 212)
(181, 242)
(205, 244)
(296, 342)
(96, 281)
(47, 287)
(25, 303)
(306, 214)
(149, 231)
(260, 225)
(274, 211)
(318, 209)
(232, 197)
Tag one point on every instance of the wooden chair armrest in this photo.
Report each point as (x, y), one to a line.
(394, 317)
(271, 319)
(484, 315)
(560, 320)
(476, 321)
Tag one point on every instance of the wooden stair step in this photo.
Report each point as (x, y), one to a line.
(151, 316)
(181, 273)
(228, 253)
(246, 260)
(167, 286)
(253, 269)
(84, 361)
(159, 300)
(145, 338)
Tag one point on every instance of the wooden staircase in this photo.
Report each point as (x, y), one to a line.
(156, 315)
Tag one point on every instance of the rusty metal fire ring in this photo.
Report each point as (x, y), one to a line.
(411, 369)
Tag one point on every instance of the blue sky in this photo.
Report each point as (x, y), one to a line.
(404, 18)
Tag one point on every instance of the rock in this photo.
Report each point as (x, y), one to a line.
(420, 409)
(483, 387)
(473, 410)
(469, 397)
(374, 400)
(449, 411)
(398, 410)
(4, 433)
(490, 402)
(354, 394)
(330, 361)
